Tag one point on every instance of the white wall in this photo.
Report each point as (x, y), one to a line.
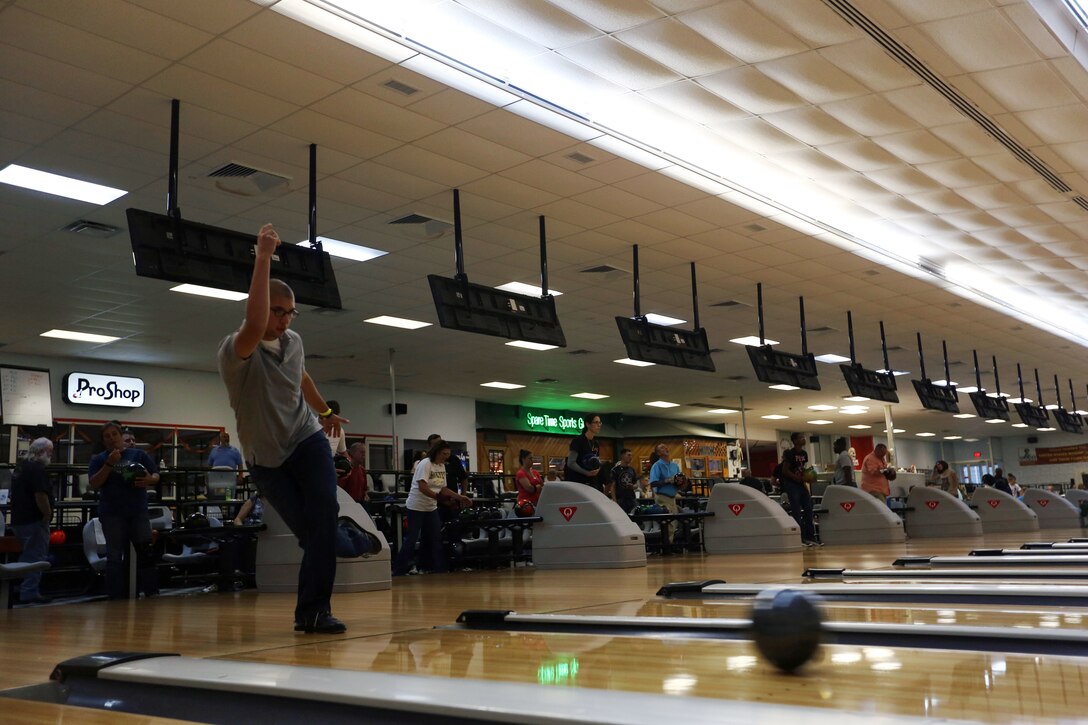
(189, 398)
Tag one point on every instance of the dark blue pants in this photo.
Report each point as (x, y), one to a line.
(34, 538)
(424, 527)
(120, 531)
(303, 491)
(800, 507)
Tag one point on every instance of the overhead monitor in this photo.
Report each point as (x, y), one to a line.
(783, 368)
(664, 345)
(870, 383)
(193, 253)
(462, 305)
(989, 408)
(25, 396)
(1035, 416)
(1069, 422)
(937, 397)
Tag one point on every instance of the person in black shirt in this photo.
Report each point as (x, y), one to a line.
(1000, 482)
(585, 451)
(747, 479)
(624, 482)
(794, 462)
(31, 512)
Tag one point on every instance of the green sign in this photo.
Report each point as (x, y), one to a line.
(546, 422)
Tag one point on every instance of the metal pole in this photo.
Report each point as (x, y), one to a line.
(850, 334)
(634, 264)
(889, 425)
(694, 299)
(759, 311)
(172, 209)
(393, 417)
(747, 448)
(458, 241)
(543, 259)
(312, 206)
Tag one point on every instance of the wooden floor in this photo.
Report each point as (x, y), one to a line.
(391, 631)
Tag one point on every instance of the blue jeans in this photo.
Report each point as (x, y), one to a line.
(303, 491)
(428, 526)
(800, 507)
(34, 538)
(120, 530)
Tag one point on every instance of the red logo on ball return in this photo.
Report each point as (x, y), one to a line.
(933, 505)
(1043, 502)
(847, 506)
(736, 508)
(994, 503)
(568, 512)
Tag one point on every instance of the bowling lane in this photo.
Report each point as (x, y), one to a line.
(887, 613)
(989, 687)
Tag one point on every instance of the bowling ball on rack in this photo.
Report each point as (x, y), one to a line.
(57, 538)
(787, 627)
(469, 514)
(525, 508)
(889, 473)
(681, 482)
(196, 521)
(130, 471)
(494, 514)
(656, 508)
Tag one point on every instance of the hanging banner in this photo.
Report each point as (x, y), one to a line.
(1031, 456)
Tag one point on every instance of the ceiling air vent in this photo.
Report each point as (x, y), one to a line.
(92, 229)
(580, 158)
(342, 381)
(755, 227)
(729, 303)
(395, 85)
(425, 226)
(736, 377)
(930, 266)
(242, 180)
(545, 381)
(601, 269)
(821, 328)
(870, 273)
(580, 352)
(1081, 202)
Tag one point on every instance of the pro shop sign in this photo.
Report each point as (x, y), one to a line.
(108, 390)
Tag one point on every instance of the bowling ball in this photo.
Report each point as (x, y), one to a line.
(656, 509)
(468, 515)
(589, 462)
(342, 465)
(787, 626)
(57, 538)
(196, 521)
(525, 508)
(889, 473)
(130, 471)
(494, 513)
(681, 482)
(809, 475)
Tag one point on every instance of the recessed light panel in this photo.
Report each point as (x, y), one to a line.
(219, 294)
(774, 416)
(397, 322)
(663, 319)
(634, 363)
(722, 411)
(59, 185)
(531, 345)
(832, 358)
(820, 422)
(753, 340)
(783, 386)
(662, 404)
(526, 289)
(823, 407)
(79, 336)
(346, 250)
(501, 385)
(589, 396)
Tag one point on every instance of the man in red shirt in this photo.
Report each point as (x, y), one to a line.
(874, 480)
(355, 480)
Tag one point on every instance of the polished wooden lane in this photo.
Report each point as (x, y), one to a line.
(242, 624)
(25, 712)
(887, 613)
(881, 680)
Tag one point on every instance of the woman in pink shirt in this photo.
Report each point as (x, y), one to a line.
(873, 477)
(528, 479)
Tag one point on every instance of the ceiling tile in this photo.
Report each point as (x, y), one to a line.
(870, 116)
(678, 47)
(694, 102)
(916, 147)
(358, 108)
(1026, 87)
(742, 31)
(610, 15)
(751, 90)
(813, 78)
(980, 41)
(544, 22)
(619, 64)
(870, 64)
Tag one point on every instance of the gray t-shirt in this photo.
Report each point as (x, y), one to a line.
(844, 461)
(265, 392)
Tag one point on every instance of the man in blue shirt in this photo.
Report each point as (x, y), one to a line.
(225, 454)
(663, 478)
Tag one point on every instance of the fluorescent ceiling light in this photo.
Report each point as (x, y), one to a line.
(663, 319)
(397, 322)
(856, 398)
(832, 358)
(1019, 425)
(753, 340)
(662, 404)
(823, 407)
(894, 430)
(589, 396)
(998, 395)
(634, 363)
(221, 294)
(1081, 412)
(774, 416)
(968, 389)
(994, 420)
(59, 185)
(346, 250)
(953, 438)
(1020, 400)
(722, 411)
(859, 426)
(530, 290)
(501, 385)
(820, 422)
(945, 383)
(783, 386)
(853, 411)
(531, 345)
(1052, 406)
(1045, 430)
(79, 336)
(925, 435)
(964, 415)
(895, 373)
(970, 440)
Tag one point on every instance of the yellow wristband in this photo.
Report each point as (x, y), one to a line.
(326, 414)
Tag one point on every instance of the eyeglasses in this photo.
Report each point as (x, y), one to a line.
(280, 313)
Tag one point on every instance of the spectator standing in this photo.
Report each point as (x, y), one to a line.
(624, 482)
(31, 512)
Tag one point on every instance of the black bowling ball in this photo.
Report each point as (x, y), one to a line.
(787, 626)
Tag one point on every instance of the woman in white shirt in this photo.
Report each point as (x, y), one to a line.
(424, 525)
